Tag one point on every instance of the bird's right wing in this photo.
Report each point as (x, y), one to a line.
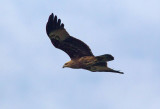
(60, 38)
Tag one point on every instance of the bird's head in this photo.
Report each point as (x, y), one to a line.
(66, 65)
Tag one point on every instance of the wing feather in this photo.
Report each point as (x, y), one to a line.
(60, 38)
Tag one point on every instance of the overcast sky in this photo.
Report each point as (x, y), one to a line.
(31, 73)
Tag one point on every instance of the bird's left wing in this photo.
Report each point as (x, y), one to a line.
(60, 38)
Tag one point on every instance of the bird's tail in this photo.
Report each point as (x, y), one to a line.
(105, 57)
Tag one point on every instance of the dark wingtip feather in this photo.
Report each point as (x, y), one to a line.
(62, 25)
(59, 22)
(120, 72)
(53, 24)
(49, 25)
(55, 18)
(115, 71)
(51, 18)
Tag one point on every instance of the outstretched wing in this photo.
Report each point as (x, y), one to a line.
(60, 38)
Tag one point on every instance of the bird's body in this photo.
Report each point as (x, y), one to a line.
(90, 63)
(80, 54)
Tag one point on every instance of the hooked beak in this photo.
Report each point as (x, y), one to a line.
(64, 66)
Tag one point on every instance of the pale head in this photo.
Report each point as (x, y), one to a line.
(67, 64)
(71, 64)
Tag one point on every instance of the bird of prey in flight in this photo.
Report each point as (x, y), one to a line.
(79, 52)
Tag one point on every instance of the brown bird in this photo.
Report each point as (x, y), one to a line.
(80, 54)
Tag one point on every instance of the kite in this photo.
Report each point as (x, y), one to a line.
(79, 52)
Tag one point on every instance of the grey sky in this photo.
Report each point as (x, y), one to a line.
(31, 74)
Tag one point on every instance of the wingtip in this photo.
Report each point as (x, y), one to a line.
(51, 17)
(53, 23)
(121, 73)
(116, 71)
(55, 17)
(62, 25)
